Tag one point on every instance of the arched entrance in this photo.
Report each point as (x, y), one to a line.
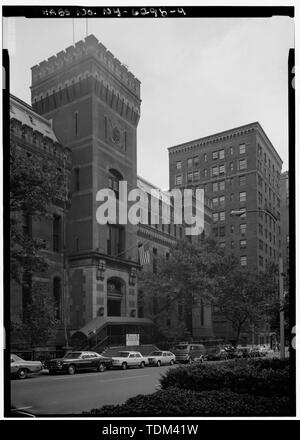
(115, 295)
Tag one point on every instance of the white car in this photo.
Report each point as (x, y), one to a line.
(21, 368)
(264, 351)
(159, 358)
(126, 359)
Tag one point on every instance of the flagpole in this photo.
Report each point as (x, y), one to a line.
(132, 247)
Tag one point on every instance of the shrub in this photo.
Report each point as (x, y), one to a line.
(179, 402)
(274, 364)
(239, 377)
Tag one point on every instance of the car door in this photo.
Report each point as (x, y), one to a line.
(132, 359)
(13, 365)
(84, 362)
(139, 359)
(94, 360)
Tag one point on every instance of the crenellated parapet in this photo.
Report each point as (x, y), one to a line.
(35, 133)
(81, 51)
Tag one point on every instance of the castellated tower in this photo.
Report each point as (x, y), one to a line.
(94, 104)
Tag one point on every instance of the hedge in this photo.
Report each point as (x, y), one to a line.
(179, 402)
(267, 363)
(256, 378)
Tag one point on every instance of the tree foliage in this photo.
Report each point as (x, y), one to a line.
(245, 297)
(188, 276)
(202, 272)
(34, 184)
(38, 323)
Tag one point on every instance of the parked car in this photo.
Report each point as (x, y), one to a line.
(21, 368)
(231, 352)
(189, 353)
(255, 352)
(264, 350)
(78, 360)
(217, 354)
(126, 359)
(159, 358)
(243, 352)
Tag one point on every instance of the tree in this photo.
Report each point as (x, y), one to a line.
(244, 297)
(35, 183)
(202, 272)
(187, 277)
(38, 323)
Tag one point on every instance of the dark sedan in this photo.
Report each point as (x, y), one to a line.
(217, 354)
(78, 361)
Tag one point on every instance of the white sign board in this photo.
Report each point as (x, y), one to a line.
(132, 339)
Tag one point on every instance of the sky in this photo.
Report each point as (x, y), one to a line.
(198, 76)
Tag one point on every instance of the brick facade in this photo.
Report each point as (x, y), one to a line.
(239, 169)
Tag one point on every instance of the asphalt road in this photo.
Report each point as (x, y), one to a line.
(67, 395)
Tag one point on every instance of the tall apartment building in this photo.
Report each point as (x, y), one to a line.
(284, 223)
(239, 170)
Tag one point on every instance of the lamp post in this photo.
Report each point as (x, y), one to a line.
(280, 273)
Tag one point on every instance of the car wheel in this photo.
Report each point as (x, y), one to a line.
(171, 362)
(101, 367)
(22, 373)
(71, 369)
(142, 365)
(158, 363)
(124, 366)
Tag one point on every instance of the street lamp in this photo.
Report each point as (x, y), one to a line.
(240, 213)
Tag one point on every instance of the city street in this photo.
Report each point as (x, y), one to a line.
(66, 395)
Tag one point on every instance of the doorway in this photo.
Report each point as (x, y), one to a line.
(113, 307)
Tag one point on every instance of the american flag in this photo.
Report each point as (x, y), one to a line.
(144, 254)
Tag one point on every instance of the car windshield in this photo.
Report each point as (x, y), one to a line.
(181, 347)
(123, 354)
(16, 358)
(156, 353)
(73, 355)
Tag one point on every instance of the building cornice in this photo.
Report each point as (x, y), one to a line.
(224, 136)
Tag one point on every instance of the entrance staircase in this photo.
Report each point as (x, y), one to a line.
(103, 332)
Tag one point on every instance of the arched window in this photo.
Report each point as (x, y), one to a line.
(57, 296)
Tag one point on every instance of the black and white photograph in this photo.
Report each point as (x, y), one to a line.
(149, 235)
